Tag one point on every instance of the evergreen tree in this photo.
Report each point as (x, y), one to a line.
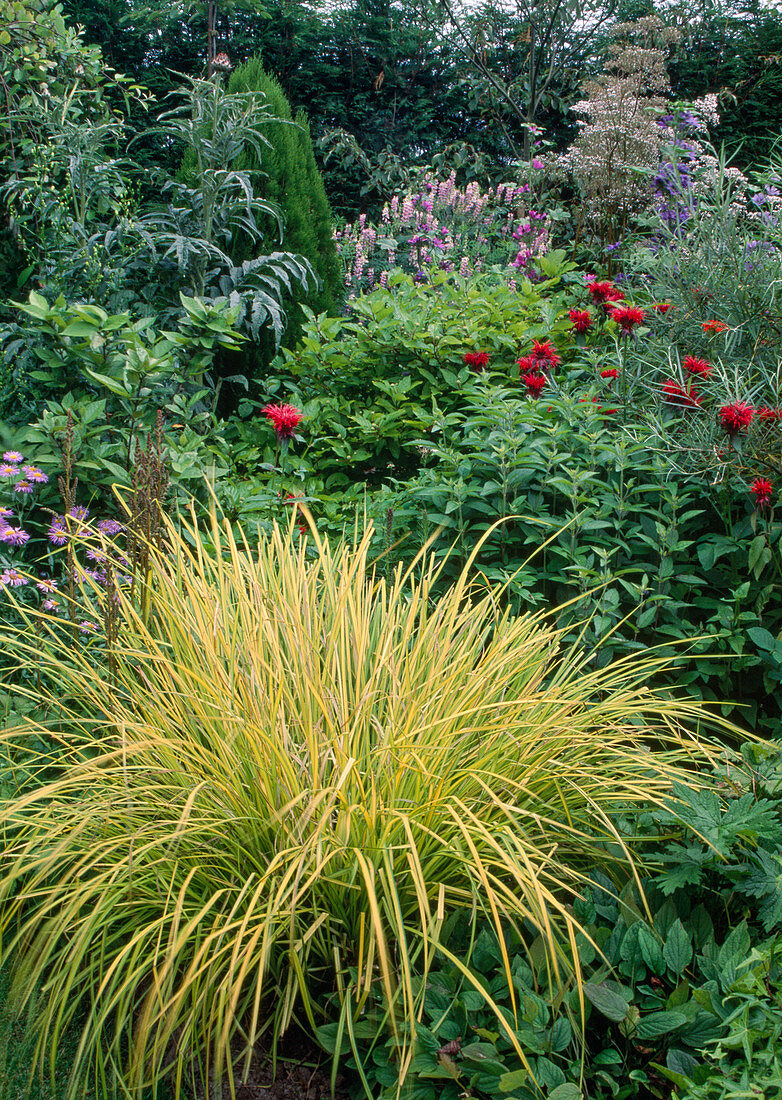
(292, 181)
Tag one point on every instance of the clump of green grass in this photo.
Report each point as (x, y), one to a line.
(289, 773)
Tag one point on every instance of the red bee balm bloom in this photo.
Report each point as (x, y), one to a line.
(611, 374)
(544, 354)
(478, 360)
(534, 383)
(675, 394)
(697, 366)
(581, 319)
(735, 417)
(768, 414)
(713, 326)
(662, 307)
(761, 488)
(604, 292)
(284, 419)
(627, 317)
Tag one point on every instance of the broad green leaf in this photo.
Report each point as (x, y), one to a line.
(606, 1001)
(677, 950)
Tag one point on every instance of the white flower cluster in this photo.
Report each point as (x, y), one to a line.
(618, 146)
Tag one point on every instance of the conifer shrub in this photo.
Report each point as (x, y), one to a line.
(292, 181)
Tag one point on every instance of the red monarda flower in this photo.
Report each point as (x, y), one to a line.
(478, 360)
(627, 317)
(526, 364)
(534, 383)
(714, 326)
(604, 292)
(611, 374)
(675, 394)
(735, 417)
(544, 354)
(762, 489)
(697, 366)
(581, 319)
(662, 307)
(768, 414)
(283, 418)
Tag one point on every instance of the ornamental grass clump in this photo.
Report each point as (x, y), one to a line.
(294, 771)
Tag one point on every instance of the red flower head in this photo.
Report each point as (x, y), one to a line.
(697, 366)
(768, 414)
(534, 383)
(611, 374)
(675, 394)
(662, 307)
(762, 489)
(284, 419)
(627, 317)
(603, 292)
(581, 319)
(478, 360)
(713, 326)
(735, 417)
(526, 364)
(544, 355)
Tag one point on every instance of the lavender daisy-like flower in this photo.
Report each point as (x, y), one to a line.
(13, 456)
(23, 487)
(87, 627)
(6, 513)
(49, 605)
(46, 584)
(97, 556)
(79, 512)
(13, 578)
(13, 536)
(110, 526)
(58, 536)
(7, 469)
(34, 475)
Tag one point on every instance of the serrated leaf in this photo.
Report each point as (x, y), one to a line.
(677, 949)
(659, 1023)
(611, 1004)
(566, 1091)
(651, 950)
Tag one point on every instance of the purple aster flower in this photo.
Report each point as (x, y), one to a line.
(7, 469)
(23, 487)
(110, 526)
(46, 584)
(5, 513)
(13, 456)
(87, 627)
(49, 605)
(13, 578)
(13, 536)
(79, 512)
(34, 475)
(58, 536)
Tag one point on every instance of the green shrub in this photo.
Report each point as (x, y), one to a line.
(291, 180)
(594, 520)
